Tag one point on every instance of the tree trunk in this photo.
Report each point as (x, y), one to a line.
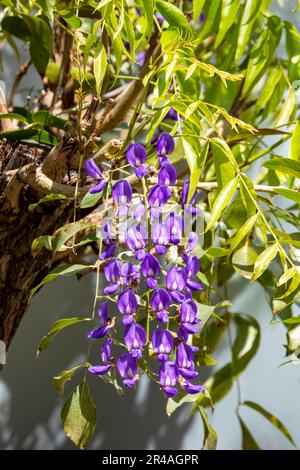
(20, 269)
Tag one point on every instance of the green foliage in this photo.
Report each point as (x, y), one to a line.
(235, 92)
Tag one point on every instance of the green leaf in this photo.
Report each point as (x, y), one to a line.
(293, 337)
(70, 18)
(274, 76)
(250, 13)
(90, 200)
(210, 437)
(196, 161)
(288, 108)
(292, 321)
(243, 261)
(65, 270)
(42, 241)
(248, 441)
(228, 16)
(30, 134)
(40, 42)
(66, 232)
(248, 195)
(271, 418)
(48, 198)
(289, 194)
(197, 9)
(47, 7)
(224, 162)
(263, 260)
(148, 7)
(244, 349)
(19, 117)
(16, 26)
(56, 328)
(100, 66)
(173, 15)
(204, 312)
(44, 118)
(79, 416)
(222, 201)
(258, 62)
(60, 380)
(284, 165)
(243, 232)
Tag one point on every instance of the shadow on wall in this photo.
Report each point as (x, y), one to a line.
(29, 407)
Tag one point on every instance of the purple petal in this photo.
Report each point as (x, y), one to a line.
(98, 332)
(100, 370)
(192, 389)
(170, 391)
(111, 288)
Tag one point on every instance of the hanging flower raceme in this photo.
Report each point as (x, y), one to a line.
(94, 172)
(157, 324)
(136, 156)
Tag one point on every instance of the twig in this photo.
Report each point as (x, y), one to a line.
(19, 75)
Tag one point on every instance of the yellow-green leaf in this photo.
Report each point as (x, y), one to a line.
(79, 416)
(100, 66)
(222, 201)
(263, 260)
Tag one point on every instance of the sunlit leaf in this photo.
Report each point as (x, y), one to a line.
(79, 416)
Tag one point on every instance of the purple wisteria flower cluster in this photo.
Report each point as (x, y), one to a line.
(147, 306)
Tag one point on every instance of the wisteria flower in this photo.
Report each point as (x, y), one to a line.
(129, 273)
(135, 339)
(160, 237)
(184, 198)
(112, 271)
(158, 195)
(136, 238)
(136, 156)
(107, 365)
(127, 304)
(122, 195)
(189, 319)
(160, 302)
(185, 360)
(176, 282)
(192, 268)
(94, 172)
(162, 343)
(150, 269)
(165, 144)
(175, 227)
(167, 176)
(128, 369)
(168, 377)
(105, 322)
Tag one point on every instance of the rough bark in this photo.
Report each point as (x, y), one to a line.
(20, 270)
